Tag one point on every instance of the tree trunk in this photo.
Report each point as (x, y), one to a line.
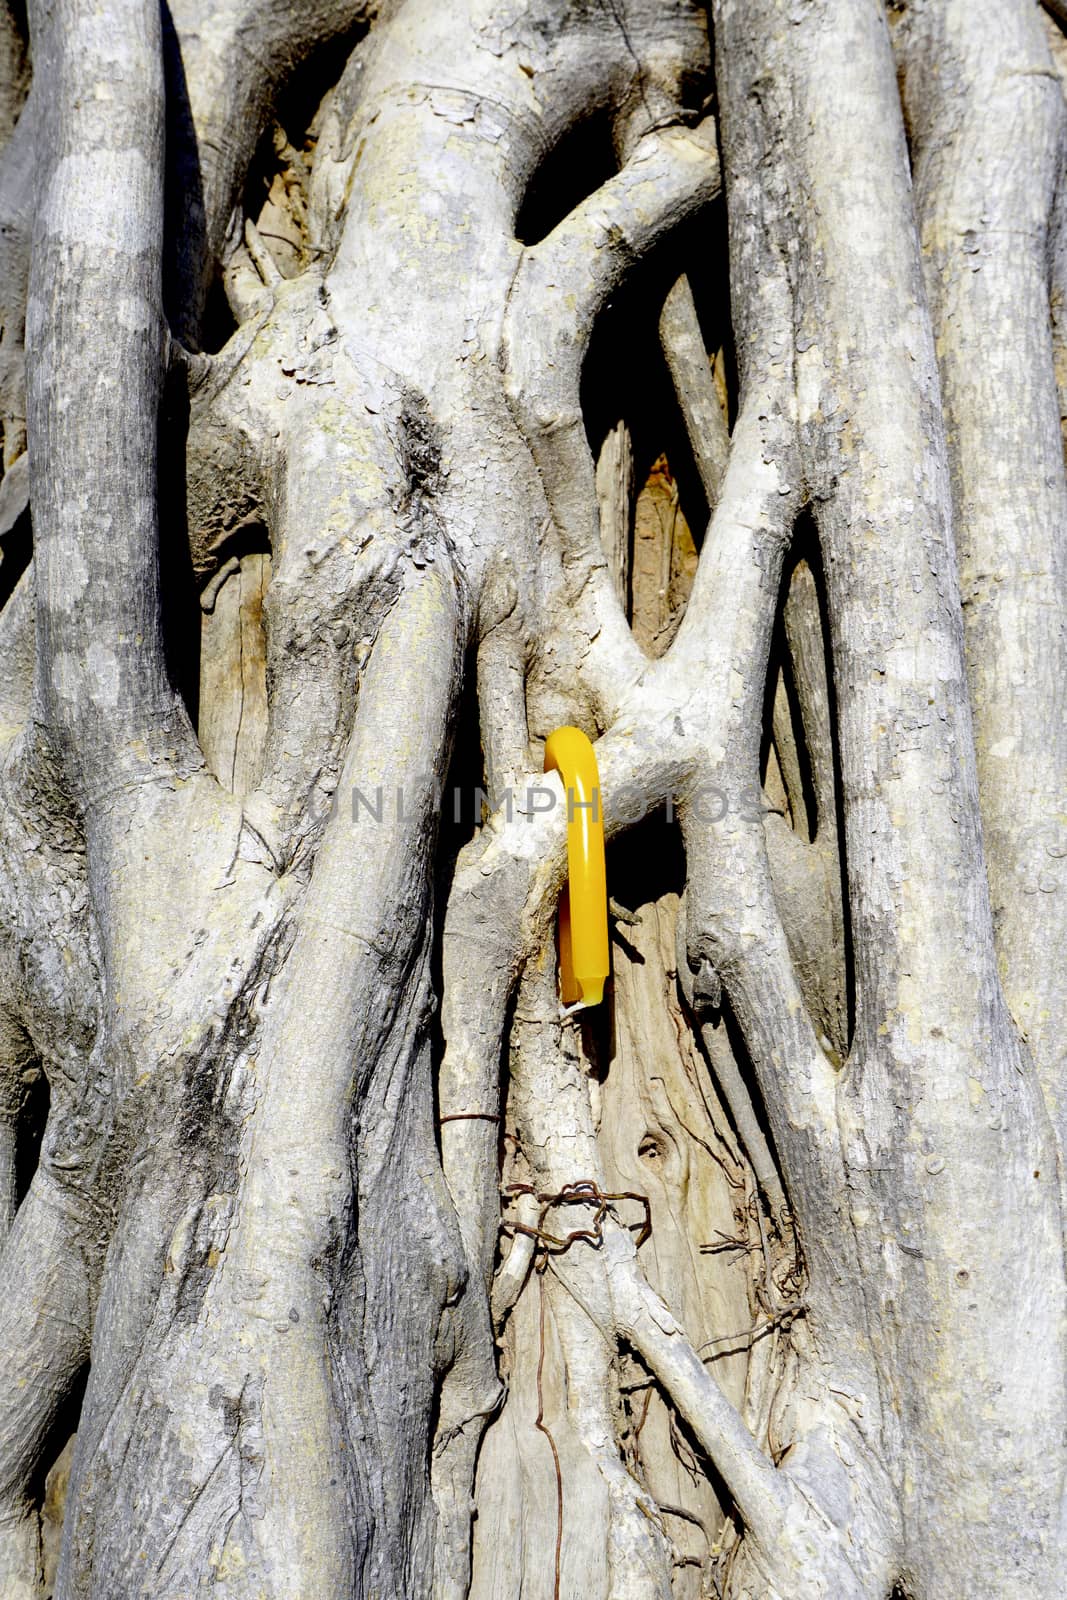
(388, 384)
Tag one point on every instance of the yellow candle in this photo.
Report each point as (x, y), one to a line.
(583, 908)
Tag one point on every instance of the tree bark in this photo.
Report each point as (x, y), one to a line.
(387, 385)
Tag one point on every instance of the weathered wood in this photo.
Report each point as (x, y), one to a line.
(750, 1282)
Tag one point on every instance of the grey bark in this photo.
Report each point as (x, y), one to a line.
(338, 1221)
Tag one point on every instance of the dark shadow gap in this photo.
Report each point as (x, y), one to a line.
(643, 863)
(461, 811)
(804, 549)
(31, 1135)
(51, 1484)
(17, 548)
(576, 166)
(647, 861)
(184, 236)
(781, 663)
(298, 103)
(705, 253)
(747, 1074)
(218, 324)
(625, 378)
(809, 548)
(178, 587)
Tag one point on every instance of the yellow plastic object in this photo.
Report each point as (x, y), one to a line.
(583, 906)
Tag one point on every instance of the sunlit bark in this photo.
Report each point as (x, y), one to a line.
(388, 385)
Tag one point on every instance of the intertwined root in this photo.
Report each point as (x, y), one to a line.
(239, 1199)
